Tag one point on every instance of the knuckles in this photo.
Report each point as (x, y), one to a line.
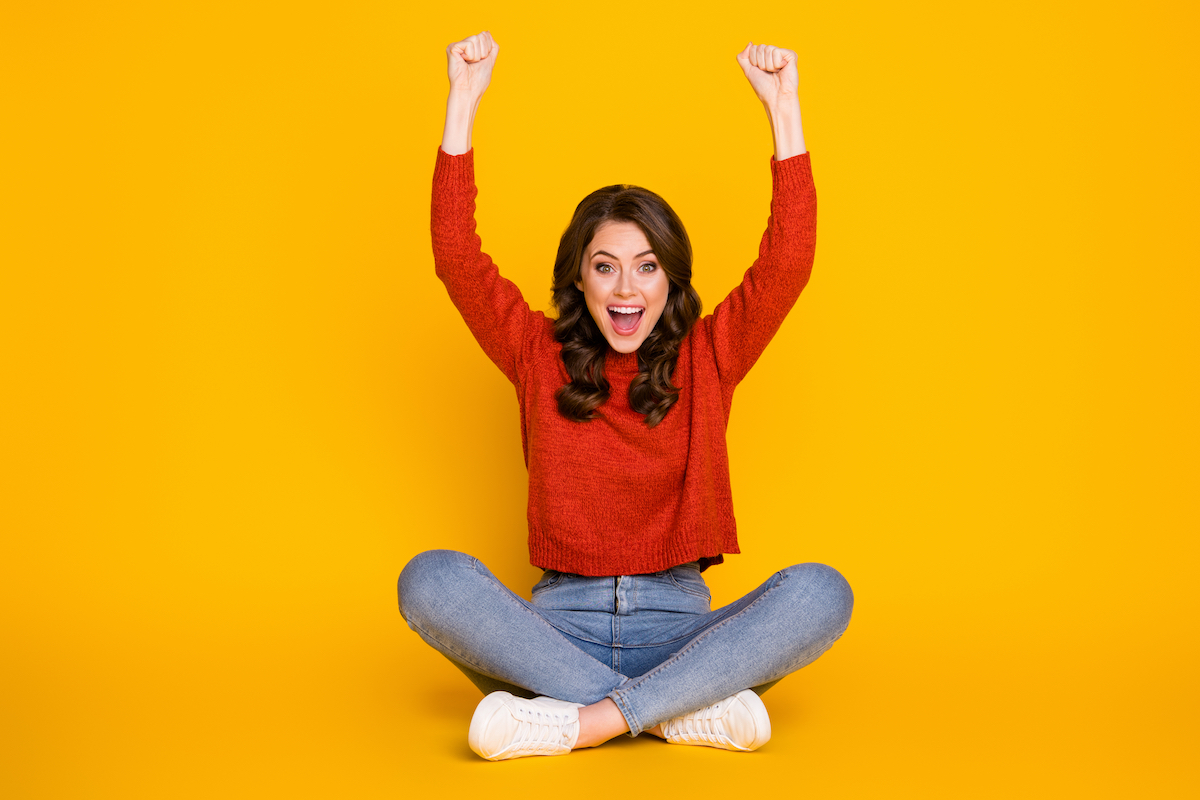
(475, 48)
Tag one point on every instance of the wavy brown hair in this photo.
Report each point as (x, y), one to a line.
(583, 344)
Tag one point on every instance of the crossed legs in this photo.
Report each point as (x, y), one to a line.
(503, 642)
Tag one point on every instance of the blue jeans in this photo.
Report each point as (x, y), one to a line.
(649, 642)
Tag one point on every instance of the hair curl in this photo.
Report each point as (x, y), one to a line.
(583, 344)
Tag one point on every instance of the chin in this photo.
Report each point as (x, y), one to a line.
(625, 346)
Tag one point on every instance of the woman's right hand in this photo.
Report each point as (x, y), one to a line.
(470, 64)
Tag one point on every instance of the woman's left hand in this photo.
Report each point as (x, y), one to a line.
(772, 72)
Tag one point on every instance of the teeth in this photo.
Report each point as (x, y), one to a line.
(621, 310)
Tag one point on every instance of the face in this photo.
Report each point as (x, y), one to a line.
(624, 286)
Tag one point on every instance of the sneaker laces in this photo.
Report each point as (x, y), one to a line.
(542, 730)
(700, 726)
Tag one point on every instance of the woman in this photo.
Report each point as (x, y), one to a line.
(624, 403)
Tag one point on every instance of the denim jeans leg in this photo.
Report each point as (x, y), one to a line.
(461, 610)
(486, 684)
(783, 625)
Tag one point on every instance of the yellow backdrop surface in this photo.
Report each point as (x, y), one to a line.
(237, 400)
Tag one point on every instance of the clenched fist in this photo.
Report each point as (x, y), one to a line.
(771, 71)
(470, 63)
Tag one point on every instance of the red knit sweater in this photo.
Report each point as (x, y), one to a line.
(612, 496)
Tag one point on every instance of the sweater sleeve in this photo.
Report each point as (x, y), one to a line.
(490, 304)
(743, 323)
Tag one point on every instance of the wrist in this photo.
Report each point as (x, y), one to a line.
(783, 110)
(460, 120)
(463, 101)
(787, 130)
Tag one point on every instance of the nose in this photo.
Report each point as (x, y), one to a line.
(625, 287)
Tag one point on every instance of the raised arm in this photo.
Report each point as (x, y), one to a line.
(490, 304)
(744, 322)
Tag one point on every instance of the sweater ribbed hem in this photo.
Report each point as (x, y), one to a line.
(544, 554)
(792, 175)
(451, 170)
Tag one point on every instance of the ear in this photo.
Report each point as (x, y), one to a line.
(579, 285)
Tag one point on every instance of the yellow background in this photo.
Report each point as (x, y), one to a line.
(237, 400)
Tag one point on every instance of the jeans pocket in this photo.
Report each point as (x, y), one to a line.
(550, 579)
(687, 577)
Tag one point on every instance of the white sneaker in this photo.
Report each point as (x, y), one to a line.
(511, 727)
(735, 723)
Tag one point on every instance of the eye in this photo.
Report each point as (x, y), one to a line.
(649, 266)
(604, 268)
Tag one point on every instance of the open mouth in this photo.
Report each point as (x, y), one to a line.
(625, 319)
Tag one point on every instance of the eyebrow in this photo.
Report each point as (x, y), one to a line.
(610, 255)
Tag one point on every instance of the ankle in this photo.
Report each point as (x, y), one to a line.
(600, 722)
